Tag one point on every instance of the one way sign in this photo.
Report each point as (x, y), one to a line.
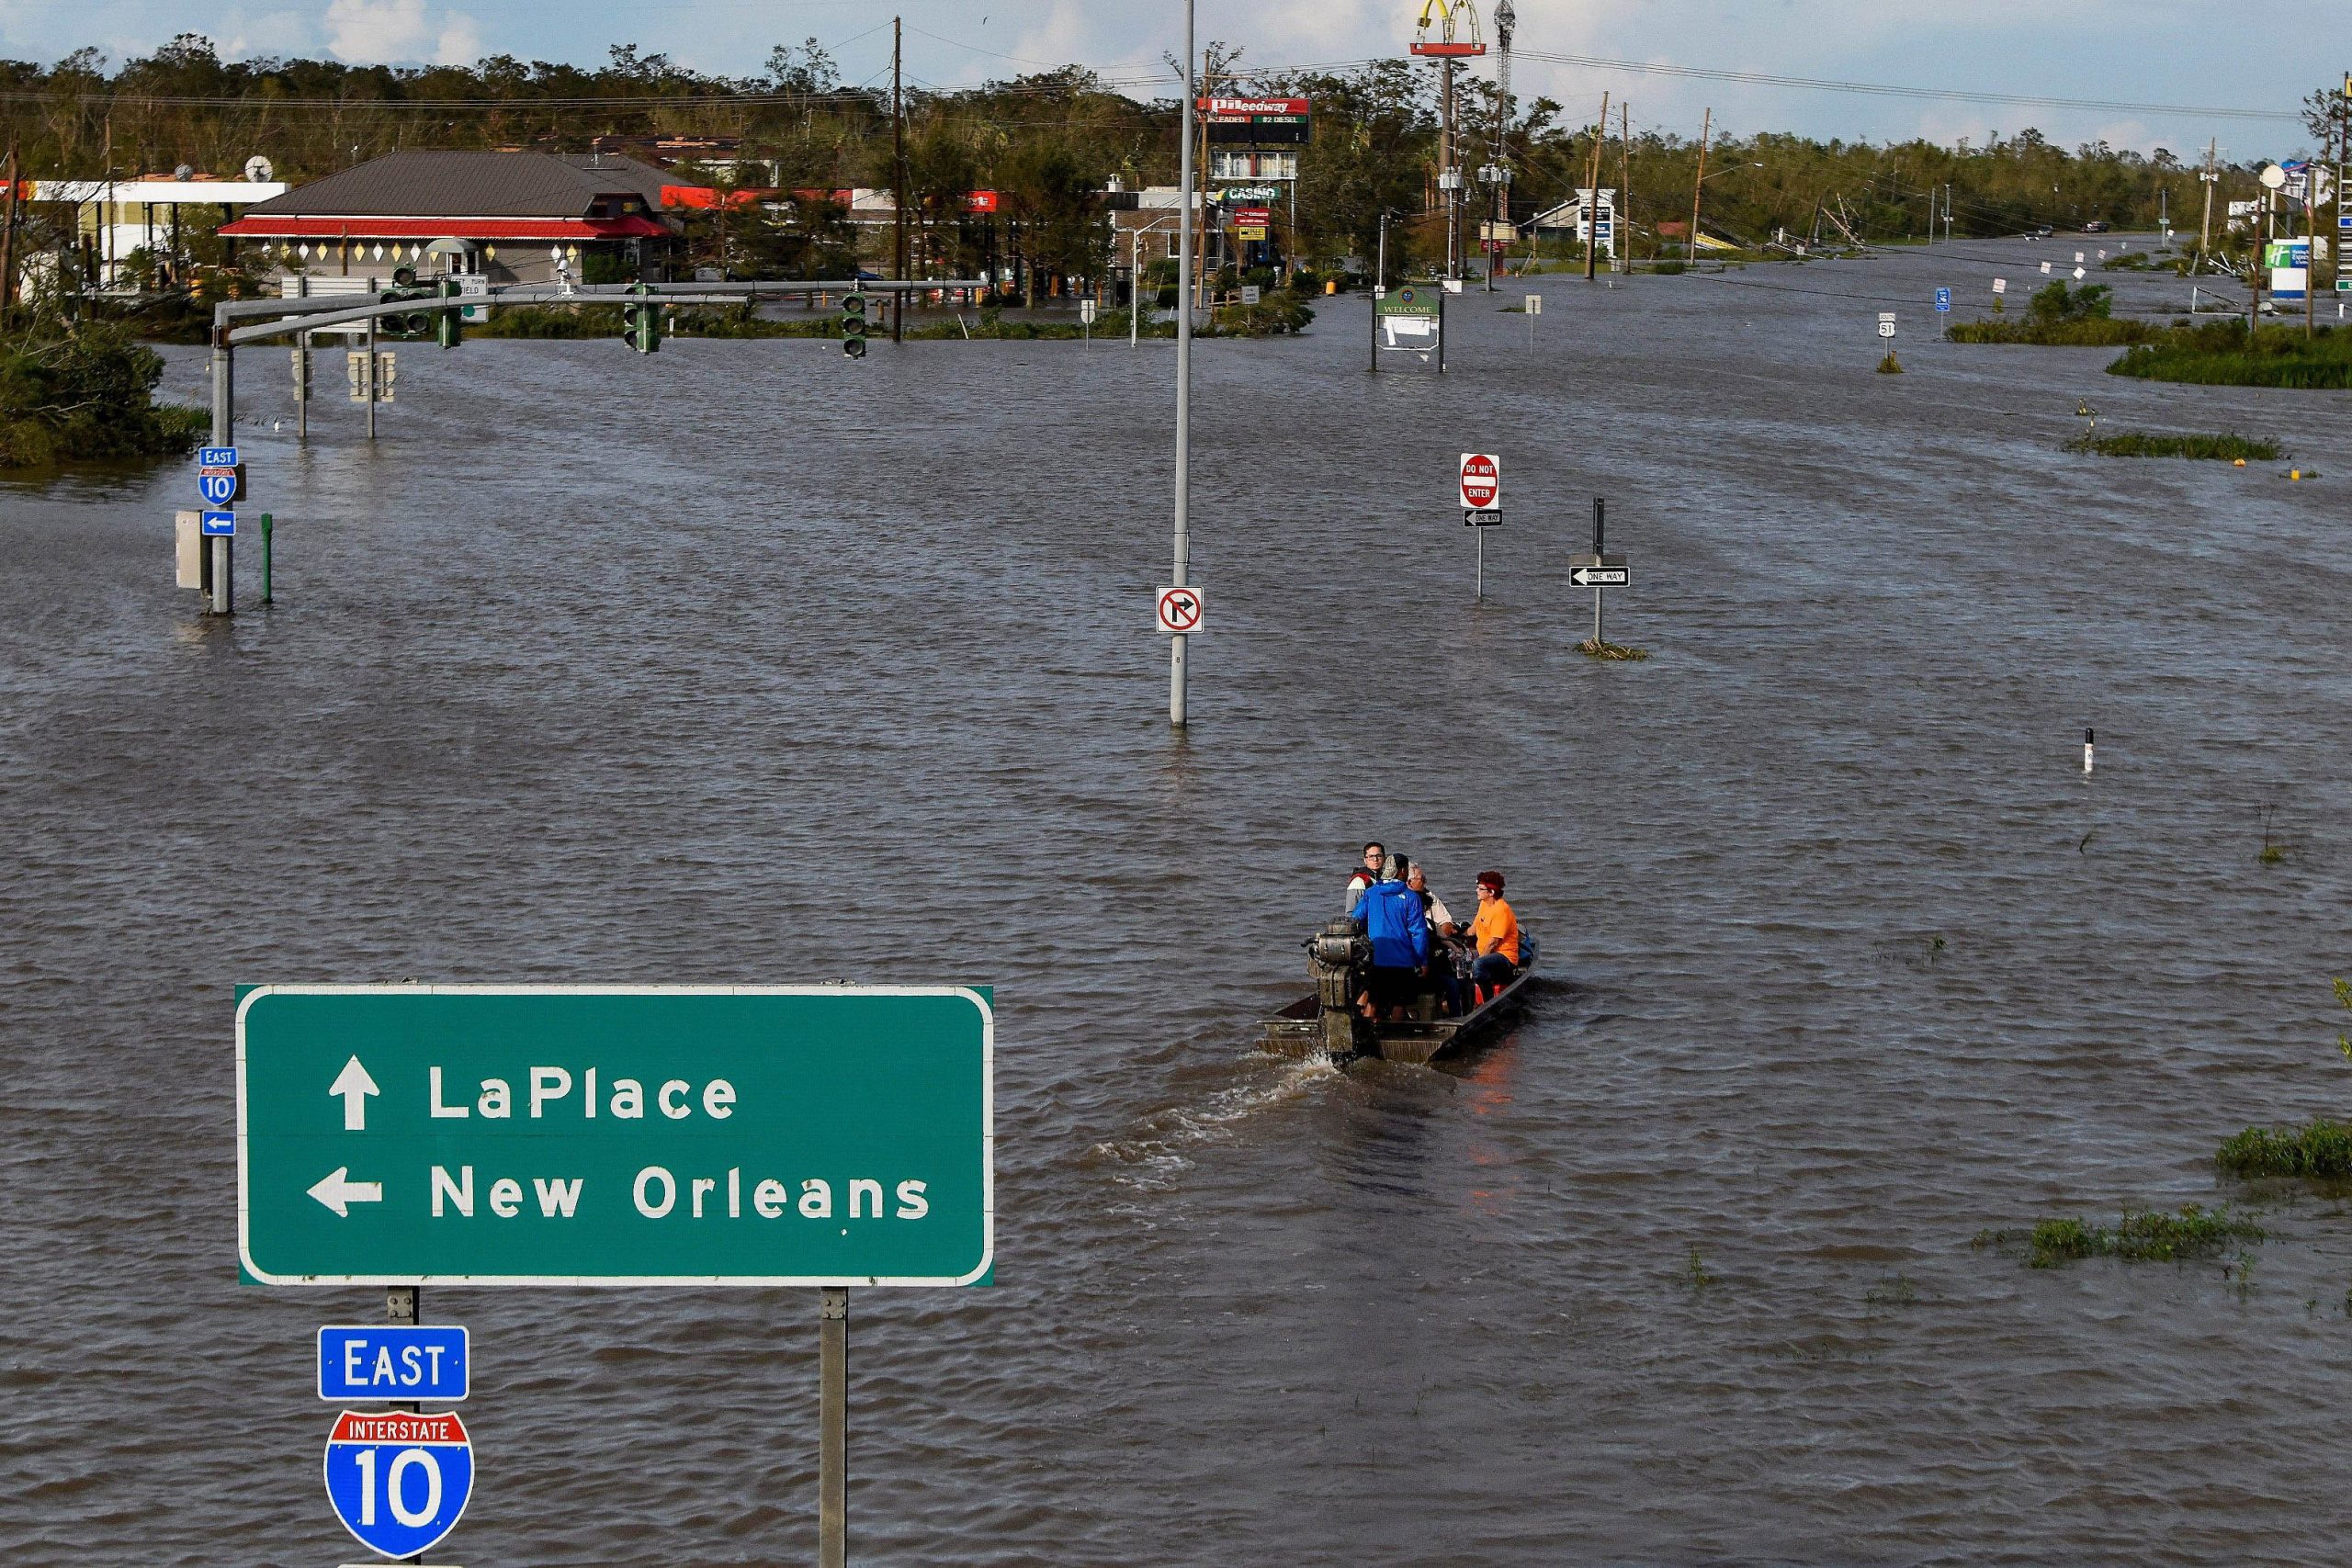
(1602, 577)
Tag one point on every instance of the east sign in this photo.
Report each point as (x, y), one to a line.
(593, 1136)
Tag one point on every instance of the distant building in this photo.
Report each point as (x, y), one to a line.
(158, 214)
(515, 217)
(1574, 217)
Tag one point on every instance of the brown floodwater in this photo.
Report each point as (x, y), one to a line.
(746, 663)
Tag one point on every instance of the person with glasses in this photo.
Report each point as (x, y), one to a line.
(1375, 856)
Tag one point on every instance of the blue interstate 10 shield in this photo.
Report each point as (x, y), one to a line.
(398, 1480)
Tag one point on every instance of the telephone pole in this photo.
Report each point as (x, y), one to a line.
(2205, 230)
(898, 183)
(1592, 197)
(1706, 127)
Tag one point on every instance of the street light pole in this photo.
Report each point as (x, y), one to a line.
(1176, 693)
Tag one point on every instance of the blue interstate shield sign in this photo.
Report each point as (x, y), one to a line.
(398, 1480)
(218, 486)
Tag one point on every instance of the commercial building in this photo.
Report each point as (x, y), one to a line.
(160, 215)
(513, 217)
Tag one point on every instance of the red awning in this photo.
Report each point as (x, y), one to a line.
(293, 227)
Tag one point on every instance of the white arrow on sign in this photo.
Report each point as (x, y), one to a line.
(1602, 577)
(337, 1193)
(353, 1084)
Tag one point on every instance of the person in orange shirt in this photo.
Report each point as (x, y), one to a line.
(1496, 933)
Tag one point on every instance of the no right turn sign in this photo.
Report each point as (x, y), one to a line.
(1180, 609)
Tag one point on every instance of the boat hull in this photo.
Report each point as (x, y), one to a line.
(1297, 1029)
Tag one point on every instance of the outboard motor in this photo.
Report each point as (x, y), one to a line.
(1341, 959)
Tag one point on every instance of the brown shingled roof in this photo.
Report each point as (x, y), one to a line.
(471, 185)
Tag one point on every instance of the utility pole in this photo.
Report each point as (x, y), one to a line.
(8, 238)
(1449, 177)
(2205, 230)
(1617, 230)
(898, 185)
(1176, 693)
(1379, 282)
(1592, 197)
(1706, 127)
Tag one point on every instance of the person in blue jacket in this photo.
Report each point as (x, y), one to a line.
(1400, 933)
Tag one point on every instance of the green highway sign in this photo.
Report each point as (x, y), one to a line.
(616, 1135)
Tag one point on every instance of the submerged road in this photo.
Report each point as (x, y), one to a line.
(743, 662)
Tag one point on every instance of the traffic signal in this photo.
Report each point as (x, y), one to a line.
(853, 324)
(642, 324)
(406, 324)
(448, 326)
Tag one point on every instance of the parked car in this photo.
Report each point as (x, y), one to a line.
(2096, 225)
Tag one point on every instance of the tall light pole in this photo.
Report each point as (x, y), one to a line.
(1184, 387)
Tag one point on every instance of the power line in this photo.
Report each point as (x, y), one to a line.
(1824, 85)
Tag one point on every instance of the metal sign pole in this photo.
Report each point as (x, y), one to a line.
(1441, 323)
(832, 1431)
(1379, 281)
(1482, 564)
(224, 419)
(302, 387)
(1598, 516)
(1176, 672)
(405, 1304)
(369, 377)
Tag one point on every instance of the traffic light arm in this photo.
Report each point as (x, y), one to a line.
(324, 312)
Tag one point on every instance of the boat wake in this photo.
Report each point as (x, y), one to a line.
(1160, 1146)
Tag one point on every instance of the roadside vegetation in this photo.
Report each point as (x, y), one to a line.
(2059, 317)
(2323, 1150)
(2139, 1235)
(2148, 444)
(2220, 354)
(72, 390)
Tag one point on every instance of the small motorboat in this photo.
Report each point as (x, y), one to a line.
(1327, 1023)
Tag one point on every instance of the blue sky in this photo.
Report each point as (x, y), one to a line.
(2202, 53)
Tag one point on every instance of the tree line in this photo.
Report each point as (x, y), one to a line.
(1049, 141)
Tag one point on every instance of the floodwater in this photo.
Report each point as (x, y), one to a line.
(746, 663)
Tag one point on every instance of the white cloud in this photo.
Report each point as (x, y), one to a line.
(381, 30)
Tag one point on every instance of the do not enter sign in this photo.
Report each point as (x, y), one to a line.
(1180, 609)
(1482, 482)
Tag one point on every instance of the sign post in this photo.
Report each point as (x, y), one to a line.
(219, 525)
(1534, 308)
(1599, 572)
(1481, 484)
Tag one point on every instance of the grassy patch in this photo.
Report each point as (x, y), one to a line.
(2090, 331)
(1612, 652)
(2321, 1149)
(2139, 1235)
(2220, 354)
(2059, 317)
(2146, 444)
(1890, 366)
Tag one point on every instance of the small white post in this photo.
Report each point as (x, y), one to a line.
(2087, 749)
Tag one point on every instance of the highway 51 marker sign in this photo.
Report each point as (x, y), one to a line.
(610, 1136)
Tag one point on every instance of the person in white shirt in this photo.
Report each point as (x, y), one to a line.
(1375, 856)
(1444, 954)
